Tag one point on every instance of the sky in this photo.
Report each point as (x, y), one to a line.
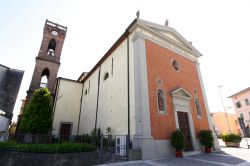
(220, 30)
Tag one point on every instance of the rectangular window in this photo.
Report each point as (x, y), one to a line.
(241, 115)
(247, 101)
(238, 104)
(198, 107)
(161, 101)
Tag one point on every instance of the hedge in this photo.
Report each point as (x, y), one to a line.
(231, 138)
(47, 148)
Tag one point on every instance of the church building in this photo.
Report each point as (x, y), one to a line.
(147, 85)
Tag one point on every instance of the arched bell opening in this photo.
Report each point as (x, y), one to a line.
(44, 78)
(52, 47)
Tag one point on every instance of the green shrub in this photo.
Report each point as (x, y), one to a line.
(231, 137)
(47, 148)
(109, 142)
(37, 117)
(206, 138)
(178, 140)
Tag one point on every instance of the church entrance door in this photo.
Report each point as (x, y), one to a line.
(184, 127)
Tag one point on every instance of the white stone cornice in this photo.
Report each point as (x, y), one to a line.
(156, 33)
(164, 43)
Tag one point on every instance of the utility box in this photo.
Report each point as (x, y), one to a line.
(120, 144)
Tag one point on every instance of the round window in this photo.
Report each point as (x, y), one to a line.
(175, 65)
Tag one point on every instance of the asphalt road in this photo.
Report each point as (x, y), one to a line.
(226, 157)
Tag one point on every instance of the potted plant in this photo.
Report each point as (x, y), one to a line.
(231, 140)
(178, 142)
(206, 139)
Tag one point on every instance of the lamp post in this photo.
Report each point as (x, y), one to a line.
(219, 87)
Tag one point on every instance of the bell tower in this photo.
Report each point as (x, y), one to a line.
(48, 59)
(47, 62)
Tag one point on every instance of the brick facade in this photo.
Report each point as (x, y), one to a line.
(159, 67)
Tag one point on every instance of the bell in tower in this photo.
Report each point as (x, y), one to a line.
(52, 47)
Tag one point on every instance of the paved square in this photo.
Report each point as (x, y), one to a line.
(227, 157)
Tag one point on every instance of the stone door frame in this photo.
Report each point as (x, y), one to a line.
(181, 102)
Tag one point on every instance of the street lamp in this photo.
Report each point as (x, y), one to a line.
(219, 87)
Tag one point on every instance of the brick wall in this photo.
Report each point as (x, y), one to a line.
(159, 67)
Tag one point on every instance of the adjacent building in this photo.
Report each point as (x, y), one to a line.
(147, 85)
(225, 123)
(241, 102)
(4, 123)
(10, 81)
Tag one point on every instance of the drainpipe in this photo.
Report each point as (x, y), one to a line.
(80, 112)
(97, 101)
(55, 101)
(128, 138)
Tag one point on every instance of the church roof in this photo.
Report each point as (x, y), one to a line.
(165, 32)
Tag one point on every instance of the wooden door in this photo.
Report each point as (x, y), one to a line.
(184, 127)
(65, 131)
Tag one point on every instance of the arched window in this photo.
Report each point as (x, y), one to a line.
(52, 47)
(161, 102)
(44, 78)
(106, 76)
(197, 106)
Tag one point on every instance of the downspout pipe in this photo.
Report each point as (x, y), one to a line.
(128, 137)
(80, 111)
(55, 101)
(97, 100)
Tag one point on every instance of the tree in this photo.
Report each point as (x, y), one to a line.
(37, 117)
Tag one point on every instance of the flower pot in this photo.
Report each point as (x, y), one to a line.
(232, 144)
(208, 150)
(178, 154)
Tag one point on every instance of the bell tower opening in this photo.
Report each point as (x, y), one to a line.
(52, 47)
(44, 78)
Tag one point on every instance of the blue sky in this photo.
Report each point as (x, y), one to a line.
(218, 29)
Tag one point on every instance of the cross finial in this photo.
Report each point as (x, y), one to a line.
(138, 14)
(166, 23)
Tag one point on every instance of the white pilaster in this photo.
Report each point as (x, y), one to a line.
(142, 111)
(216, 143)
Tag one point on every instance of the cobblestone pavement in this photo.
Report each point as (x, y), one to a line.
(226, 157)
